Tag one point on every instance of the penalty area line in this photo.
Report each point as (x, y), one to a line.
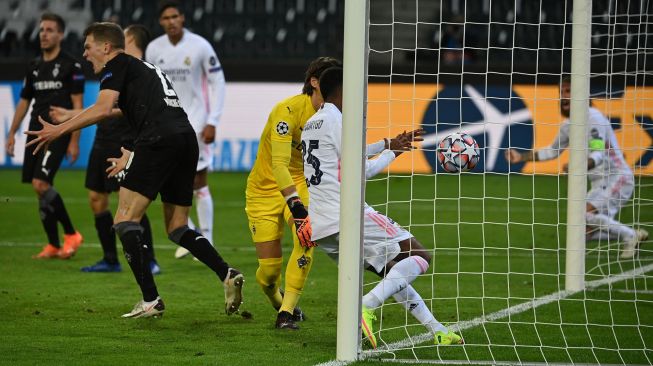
(513, 310)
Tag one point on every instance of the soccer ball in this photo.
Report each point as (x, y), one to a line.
(458, 152)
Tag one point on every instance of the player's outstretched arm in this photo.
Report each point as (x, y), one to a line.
(404, 141)
(101, 109)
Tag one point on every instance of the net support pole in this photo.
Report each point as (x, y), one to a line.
(352, 185)
(580, 72)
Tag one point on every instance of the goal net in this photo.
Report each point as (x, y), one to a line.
(497, 234)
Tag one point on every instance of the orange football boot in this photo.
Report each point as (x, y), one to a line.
(49, 251)
(70, 244)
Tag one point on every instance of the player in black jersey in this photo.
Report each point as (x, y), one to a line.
(163, 160)
(53, 79)
(110, 135)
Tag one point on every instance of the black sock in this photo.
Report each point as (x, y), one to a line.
(49, 221)
(147, 235)
(131, 236)
(201, 248)
(104, 227)
(54, 199)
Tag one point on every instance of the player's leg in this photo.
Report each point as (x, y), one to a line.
(131, 207)
(178, 231)
(99, 202)
(177, 196)
(147, 235)
(265, 219)
(297, 269)
(32, 163)
(203, 203)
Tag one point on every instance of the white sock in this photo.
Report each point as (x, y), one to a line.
(191, 224)
(398, 278)
(204, 206)
(612, 226)
(411, 300)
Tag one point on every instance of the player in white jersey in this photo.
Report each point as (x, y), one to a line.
(611, 179)
(388, 250)
(196, 74)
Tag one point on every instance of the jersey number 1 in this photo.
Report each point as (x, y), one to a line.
(316, 178)
(167, 85)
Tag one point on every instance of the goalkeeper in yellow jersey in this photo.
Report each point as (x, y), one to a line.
(277, 195)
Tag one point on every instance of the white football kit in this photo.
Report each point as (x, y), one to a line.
(321, 144)
(197, 77)
(612, 181)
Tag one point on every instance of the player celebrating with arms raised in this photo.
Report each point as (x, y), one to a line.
(197, 76)
(611, 178)
(163, 161)
(388, 249)
(276, 195)
(54, 79)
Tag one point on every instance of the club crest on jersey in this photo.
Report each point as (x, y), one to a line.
(187, 61)
(55, 71)
(282, 128)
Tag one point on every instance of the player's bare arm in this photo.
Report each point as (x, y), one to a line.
(21, 111)
(513, 156)
(100, 110)
(72, 152)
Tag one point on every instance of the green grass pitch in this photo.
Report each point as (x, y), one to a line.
(490, 252)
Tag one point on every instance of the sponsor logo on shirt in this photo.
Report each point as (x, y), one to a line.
(48, 85)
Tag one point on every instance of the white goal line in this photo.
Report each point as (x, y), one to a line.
(513, 310)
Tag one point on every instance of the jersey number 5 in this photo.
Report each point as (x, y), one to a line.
(311, 159)
(167, 85)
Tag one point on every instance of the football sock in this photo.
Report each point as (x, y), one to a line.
(201, 249)
(49, 221)
(135, 248)
(204, 207)
(297, 270)
(612, 226)
(413, 302)
(147, 235)
(191, 224)
(54, 199)
(104, 228)
(398, 278)
(268, 276)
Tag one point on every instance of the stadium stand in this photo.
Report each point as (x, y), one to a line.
(247, 33)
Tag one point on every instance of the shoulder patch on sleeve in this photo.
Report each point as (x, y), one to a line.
(213, 61)
(106, 76)
(282, 128)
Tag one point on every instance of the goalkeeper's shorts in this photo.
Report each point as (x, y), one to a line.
(268, 214)
(380, 240)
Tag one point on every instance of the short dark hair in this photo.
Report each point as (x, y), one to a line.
(107, 32)
(315, 70)
(55, 18)
(165, 4)
(141, 35)
(330, 81)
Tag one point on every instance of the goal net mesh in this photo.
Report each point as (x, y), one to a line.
(493, 69)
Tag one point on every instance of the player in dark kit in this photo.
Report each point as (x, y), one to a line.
(110, 135)
(163, 160)
(54, 79)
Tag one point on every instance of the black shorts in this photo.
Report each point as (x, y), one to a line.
(167, 167)
(45, 163)
(96, 172)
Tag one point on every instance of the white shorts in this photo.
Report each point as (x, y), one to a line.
(610, 194)
(205, 159)
(380, 240)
